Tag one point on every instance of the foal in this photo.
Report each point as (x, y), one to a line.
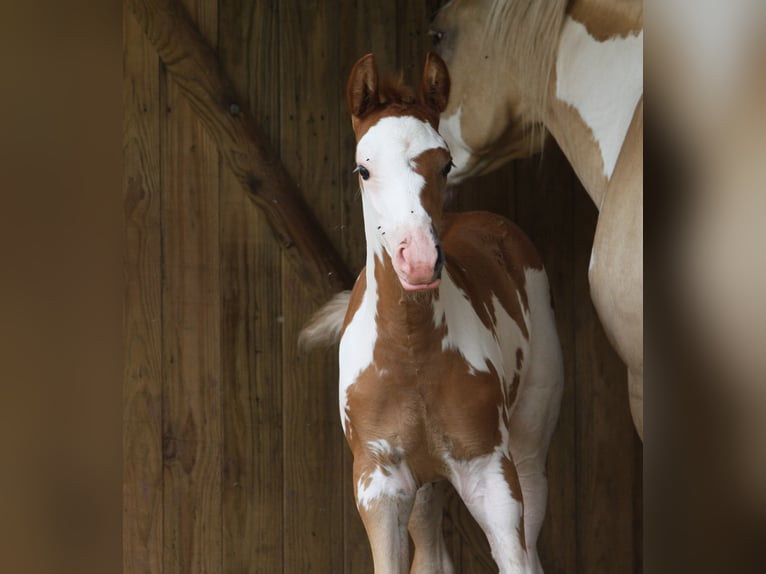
(450, 365)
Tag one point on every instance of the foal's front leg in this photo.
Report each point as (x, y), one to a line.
(490, 488)
(431, 556)
(385, 493)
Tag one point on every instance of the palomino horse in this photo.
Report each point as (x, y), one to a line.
(450, 365)
(575, 68)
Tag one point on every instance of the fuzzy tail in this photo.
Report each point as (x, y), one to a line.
(323, 329)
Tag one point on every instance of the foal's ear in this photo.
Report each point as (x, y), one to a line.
(434, 87)
(362, 89)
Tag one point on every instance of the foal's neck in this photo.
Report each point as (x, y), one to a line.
(403, 316)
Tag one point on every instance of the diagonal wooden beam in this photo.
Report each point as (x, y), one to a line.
(198, 74)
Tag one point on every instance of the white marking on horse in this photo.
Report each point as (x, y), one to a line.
(391, 479)
(482, 485)
(358, 343)
(592, 258)
(392, 192)
(451, 130)
(603, 81)
(468, 335)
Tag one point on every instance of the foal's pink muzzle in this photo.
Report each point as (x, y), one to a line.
(418, 261)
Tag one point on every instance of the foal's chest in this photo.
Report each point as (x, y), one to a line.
(433, 410)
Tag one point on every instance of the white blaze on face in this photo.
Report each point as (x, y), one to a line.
(391, 195)
(603, 81)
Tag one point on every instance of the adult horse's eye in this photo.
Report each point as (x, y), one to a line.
(436, 36)
(447, 168)
(363, 172)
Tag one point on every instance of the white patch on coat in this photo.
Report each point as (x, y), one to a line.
(592, 258)
(603, 81)
(481, 484)
(468, 335)
(391, 479)
(542, 380)
(380, 448)
(391, 195)
(358, 343)
(452, 132)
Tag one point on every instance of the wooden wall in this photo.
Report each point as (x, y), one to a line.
(234, 457)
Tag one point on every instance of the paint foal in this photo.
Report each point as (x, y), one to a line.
(450, 365)
(575, 69)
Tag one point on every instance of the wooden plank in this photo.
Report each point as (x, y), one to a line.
(142, 390)
(605, 434)
(544, 210)
(251, 293)
(195, 69)
(191, 333)
(368, 28)
(313, 443)
(638, 506)
(412, 40)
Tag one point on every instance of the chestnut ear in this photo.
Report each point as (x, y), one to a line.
(434, 87)
(362, 89)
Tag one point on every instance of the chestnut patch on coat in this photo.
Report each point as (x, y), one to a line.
(609, 19)
(488, 254)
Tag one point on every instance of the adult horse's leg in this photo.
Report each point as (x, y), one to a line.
(384, 499)
(431, 556)
(490, 489)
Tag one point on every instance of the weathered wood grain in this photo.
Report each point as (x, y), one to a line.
(192, 433)
(198, 76)
(256, 475)
(251, 307)
(142, 384)
(313, 443)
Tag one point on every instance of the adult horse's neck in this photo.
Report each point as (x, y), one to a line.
(596, 90)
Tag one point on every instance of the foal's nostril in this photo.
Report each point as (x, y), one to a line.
(401, 260)
(439, 261)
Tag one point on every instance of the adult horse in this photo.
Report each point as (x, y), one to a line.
(450, 364)
(575, 69)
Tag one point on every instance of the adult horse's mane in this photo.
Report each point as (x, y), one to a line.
(527, 33)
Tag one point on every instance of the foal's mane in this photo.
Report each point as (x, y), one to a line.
(398, 97)
(527, 32)
(393, 90)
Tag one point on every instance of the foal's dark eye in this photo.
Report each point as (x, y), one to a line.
(363, 172)
(447, 168)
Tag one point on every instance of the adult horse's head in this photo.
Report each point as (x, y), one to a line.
(500, 53)
(402, 163)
